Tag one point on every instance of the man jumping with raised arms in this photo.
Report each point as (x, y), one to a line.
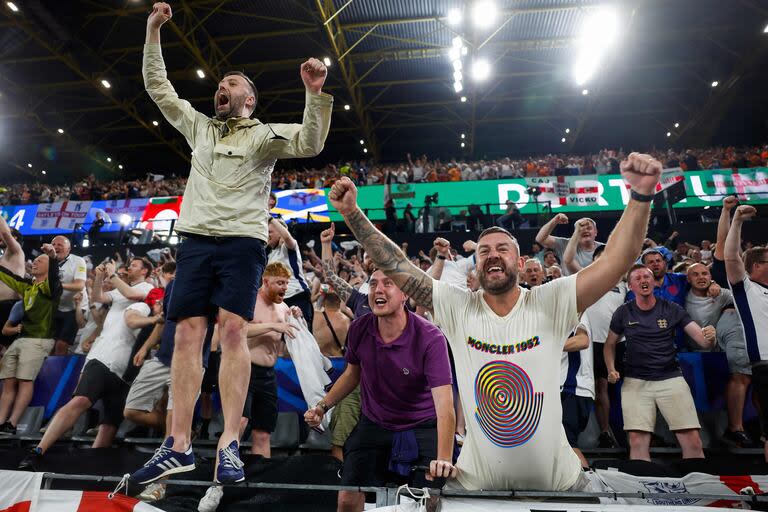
(224, 224)
(506, 341)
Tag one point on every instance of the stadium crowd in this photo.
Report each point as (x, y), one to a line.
(112, 311)
(413, 170)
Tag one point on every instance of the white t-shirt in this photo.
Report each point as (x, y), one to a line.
(114, 344)
(577, 374)
(71, 269)
(583, 257)
(292, 261)
(598, 315)
(515, 438)
(751, 301)
(455, 272)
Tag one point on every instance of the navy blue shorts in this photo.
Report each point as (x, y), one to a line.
(216, 272)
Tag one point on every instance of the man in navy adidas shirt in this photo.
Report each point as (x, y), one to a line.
(748, 279)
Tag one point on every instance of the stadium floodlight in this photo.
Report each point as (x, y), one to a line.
(155, 123)
(765, 30)
(562, 140)
(585, 92)
(347, 107)
(463, 144)
(454, 53)
(29, 165)
(454, 16)
(677, 125)
(109, 159)
(484, 13)
(44, 172)
(327, 61)
(599, 33)
(463, 135)
(365, 150)
(120, 166)
(457, 76)
(201, 73)
(362, 142)
(458, 87)
(715, 83)
(457, 65)
(669, 134)
(567, 130)
(106, 84)
(463, 99)
(125, 219)
(481, 70)
(60, 130)
(12, 6)
(457, 42)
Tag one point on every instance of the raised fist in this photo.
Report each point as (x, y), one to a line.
(326, 236)
(642, 172)
(161, 12)
(730, 202)
(561, 218)
(313, 74)
(443, 246)
(343, 196)
(745, 212)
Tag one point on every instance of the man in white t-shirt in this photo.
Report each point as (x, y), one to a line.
(102, 375)
(506, 341)
(72, 273)
(748, 279)
(586, 242)
(577, 386)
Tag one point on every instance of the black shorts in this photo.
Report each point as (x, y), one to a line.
(97, 382)
(760, 388)
(216, 272)
(261, 402)
(576, 411)
(211, 376)
(601, 371)
(368, 449)
(65, 326)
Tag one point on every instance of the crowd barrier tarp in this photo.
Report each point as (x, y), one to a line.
(563, 193)
(21, 492)
(695, 492)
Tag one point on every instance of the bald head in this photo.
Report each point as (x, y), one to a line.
(62, 246)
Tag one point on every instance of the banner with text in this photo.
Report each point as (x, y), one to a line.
(572, 193)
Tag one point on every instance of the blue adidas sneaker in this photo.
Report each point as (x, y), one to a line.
(165, 462)
(230, 468)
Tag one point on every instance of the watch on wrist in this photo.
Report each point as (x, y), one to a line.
(321, 404)
(441, 257)
(637, 196)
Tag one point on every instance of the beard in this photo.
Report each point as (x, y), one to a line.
(497, 287)
(232, 109)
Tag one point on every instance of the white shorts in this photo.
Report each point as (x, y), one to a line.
(149, 385)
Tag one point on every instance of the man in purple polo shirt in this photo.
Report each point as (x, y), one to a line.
(401, 362)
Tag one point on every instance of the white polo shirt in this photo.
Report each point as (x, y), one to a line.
(71, 269)
(751, 299)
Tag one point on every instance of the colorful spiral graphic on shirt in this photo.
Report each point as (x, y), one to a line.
(508, 410)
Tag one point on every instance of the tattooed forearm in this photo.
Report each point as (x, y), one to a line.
(391, 260)
(342, 288)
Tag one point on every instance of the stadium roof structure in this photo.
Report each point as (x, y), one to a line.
(390, 74)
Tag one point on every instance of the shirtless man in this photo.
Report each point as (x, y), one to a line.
(265, 343)
(331, 325)
(13, 260)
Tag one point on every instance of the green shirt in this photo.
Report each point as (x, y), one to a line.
(40, 300)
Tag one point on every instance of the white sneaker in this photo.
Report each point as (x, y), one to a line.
(211, 500)
(154, 492)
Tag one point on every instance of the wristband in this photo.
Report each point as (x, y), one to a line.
(637, 196)
(321, 404)
(441, 257)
